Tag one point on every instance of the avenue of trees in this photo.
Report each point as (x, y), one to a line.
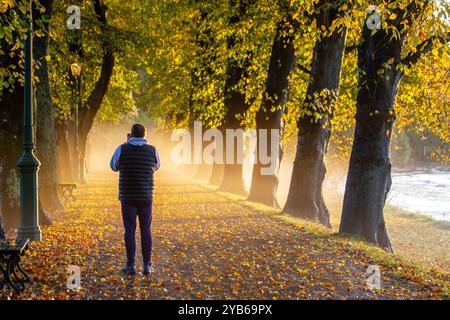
(339, 78)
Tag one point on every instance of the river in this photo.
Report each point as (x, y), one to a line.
(425, 191)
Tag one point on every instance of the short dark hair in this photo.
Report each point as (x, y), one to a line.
(138, 131)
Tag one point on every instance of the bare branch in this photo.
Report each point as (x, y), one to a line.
(349, 49)
(304, 69)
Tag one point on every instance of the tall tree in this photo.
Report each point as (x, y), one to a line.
(11, 113)
(45, 113)
(382, 59)
(112, 52)
(14, 20)
(204, 94)
(269, 116)
(305, 197)
(234, 97)
(90, 109)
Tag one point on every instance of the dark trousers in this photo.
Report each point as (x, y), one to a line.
(129, 213)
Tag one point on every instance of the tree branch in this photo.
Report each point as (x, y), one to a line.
(349, 49)
(88, 113)
(423, 48)
(304, 69)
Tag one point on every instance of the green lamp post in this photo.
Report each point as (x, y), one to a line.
(75, 69)
(28, 164)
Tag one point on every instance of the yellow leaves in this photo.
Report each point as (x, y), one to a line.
(39, 33)
(422, 35)
(303, 271)
(344, 7)
(328, 284)
(199, 295)
(16, 46)
(5, 5)
(235, 286)
(61, 296)
(392, 16)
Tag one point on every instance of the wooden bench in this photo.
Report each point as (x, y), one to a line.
(67, 190)
(13, 274)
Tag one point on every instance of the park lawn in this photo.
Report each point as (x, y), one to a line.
(212, 245)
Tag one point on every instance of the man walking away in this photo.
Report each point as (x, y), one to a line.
(136, 161)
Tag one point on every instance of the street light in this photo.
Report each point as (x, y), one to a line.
(75, 69)
(28, 164)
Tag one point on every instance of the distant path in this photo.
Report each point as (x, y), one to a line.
(205, 246)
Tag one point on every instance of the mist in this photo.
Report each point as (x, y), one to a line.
(104, 139)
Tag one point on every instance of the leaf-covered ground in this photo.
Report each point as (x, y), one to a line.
(210, 245)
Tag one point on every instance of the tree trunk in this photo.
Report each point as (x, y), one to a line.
(11, 125)
(305, 199)
(64, 165)
(203, 172)
(233, 180)
(89, 111)
(10, 151)
(234, 102)
(2, 228)
(45, 133)
(217, 174)
(369, 175)
(281, 65)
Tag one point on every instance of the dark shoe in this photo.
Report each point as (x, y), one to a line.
(129, 270)
(148, 269)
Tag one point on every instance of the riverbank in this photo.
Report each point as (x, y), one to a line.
(415, 237)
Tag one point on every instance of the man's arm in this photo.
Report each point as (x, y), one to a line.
(114, 163)
(158, 162)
